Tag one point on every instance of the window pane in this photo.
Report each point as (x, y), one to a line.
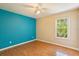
(62, 28)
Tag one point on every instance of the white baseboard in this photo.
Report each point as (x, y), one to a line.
(60, 45)
(16, 45)
(67, 46)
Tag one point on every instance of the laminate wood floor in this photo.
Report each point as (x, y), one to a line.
(38, 48)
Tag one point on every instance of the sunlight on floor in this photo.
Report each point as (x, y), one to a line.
(59, 53)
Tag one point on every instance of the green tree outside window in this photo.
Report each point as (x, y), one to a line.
(62, 28)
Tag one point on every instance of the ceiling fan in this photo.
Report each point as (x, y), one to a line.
(38, 7)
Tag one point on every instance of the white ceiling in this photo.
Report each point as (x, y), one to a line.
(52, 8)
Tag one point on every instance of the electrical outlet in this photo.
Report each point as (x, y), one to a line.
(32, 36)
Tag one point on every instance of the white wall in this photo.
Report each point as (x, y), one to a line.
(46, 29)
(78, 29)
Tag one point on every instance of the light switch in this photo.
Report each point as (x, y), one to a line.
(10, 42)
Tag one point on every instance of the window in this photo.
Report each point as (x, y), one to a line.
(62, 28)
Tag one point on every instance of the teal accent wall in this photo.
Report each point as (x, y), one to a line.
(15, 28)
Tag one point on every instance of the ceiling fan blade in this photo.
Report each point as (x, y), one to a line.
(29, 6)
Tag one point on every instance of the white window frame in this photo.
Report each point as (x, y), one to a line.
(68, 29)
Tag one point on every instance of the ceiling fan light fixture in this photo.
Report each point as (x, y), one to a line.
(38, 12)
